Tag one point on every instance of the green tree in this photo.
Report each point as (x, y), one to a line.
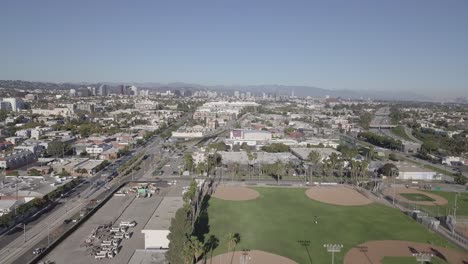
(64, 173)
(314, 158)
(5, 219)
(196, 248)
(34, 172)
(231, 240)
(460, 179)
(178, 235)
(244, 146)
(354, 165)
(276, 148)
(389, 170)
(392, 157)
(289, 130)
(188, 162)
(58, 148)
(363, 169)
(189, 195)
(333, 160)
(365, 119)
(429, 146)
(3, 115)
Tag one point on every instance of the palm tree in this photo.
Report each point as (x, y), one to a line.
(354, 170)
(196, 247)
(232, 239)
(211, 244)
(363, 168)
(333, 160)
(340, 165)
(290, 165)
(326, 168)
(187, 254)
(314, 157)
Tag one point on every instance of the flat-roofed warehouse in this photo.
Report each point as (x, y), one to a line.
(408, 171)
(157, 227)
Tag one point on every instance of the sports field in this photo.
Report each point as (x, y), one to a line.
(280, 217)
(462, 201)
(417, 197)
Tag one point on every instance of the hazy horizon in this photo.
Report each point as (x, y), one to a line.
(412, 46)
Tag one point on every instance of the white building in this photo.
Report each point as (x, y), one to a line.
(55, 112)
(157, 228)
(96, 150)
(25, 133)
(12, 104)
(39, 131)
(240, 134)
(134, 90)
(412, 172)
(449, 159)
(17, 159)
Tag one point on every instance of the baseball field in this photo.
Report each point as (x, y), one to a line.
(288, 222)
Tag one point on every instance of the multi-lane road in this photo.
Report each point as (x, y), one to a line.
(15, 249)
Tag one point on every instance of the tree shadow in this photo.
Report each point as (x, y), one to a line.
(438, 254)
(202, 226)
(237, 239)
(306, 244)
(211, 244)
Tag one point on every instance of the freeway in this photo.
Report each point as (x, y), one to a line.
(402, 156)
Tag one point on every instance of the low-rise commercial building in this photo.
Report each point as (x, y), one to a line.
(157, 228)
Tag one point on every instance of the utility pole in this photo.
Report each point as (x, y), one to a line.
(48, 234)
(24, 232)
(455, 206)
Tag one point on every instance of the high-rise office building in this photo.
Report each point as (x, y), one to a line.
(12, 104)
(102, 90)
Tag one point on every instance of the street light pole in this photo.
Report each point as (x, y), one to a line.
(333, 248)
(423, 257)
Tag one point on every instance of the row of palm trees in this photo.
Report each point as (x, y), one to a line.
(338, 165)
(194, 248)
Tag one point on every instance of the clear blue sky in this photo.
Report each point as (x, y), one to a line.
(416, 45)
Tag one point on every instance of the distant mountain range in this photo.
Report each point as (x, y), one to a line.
(254, 89)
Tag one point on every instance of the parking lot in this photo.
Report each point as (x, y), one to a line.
(74, 249)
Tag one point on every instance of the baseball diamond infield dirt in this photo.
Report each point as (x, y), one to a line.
(338, 195)
(438, 200)
(252, 257)
(373, 252)
(235, 193)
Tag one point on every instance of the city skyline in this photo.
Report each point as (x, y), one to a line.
(417, 46)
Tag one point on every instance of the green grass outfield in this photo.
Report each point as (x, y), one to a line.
(281, 216)
(418, 197)
(409, 260)
(462, 204)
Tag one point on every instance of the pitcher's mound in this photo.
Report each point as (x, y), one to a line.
(235, 193)
(251, 257)
(339, 195)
